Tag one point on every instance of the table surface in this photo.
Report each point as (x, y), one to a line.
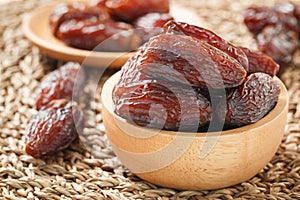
(4, 1)
(94, 172)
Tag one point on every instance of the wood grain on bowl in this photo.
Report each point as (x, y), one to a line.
(172, 159)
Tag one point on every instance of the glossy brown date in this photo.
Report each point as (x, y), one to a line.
(187, 60)
(97, 35)
(251, 101)
(130, 10)
(99, 3)
(66, 82)
(75, 11)
(276, 30)
(260, 62)
(289, 9)
(186, 68)
(209, 37)
(257, 18)
(151, 24)
(279, 43)
(162, 105)
(54, 128)
(130, 74)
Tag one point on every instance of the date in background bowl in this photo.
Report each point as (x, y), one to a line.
(37, 30)
(172, 159)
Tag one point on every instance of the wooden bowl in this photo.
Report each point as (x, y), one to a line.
(194, 161)
(36, 28)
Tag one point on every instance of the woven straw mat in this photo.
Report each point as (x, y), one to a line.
(77, 174)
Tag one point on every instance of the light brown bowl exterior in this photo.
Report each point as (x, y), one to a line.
(238, 154)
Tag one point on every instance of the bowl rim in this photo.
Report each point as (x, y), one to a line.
(36, 29)
(280, 108)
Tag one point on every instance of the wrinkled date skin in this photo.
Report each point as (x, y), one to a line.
(209, 37)
(251, 101)
(151, 24)
(66, 82)
(260, 62)
(175, 77)
(187, 60)
(288, 8)
(163, 105)
(130, 10)
(130, 75)
(278, 43)
(276, 30)
(103, 36)
(257, 18)
(75, 11)
(54, 128)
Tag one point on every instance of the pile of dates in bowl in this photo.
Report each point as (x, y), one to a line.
(190, 79)
(191, 111)
(109, 25)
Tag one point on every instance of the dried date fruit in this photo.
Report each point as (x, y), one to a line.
(163, 105)
(99, 3)
(257, 18)
(75, 11)
(276, 30)
(290, 9)
(66, 82)
(260, 62)
(187, 60)
(130, 10)
(173, 74)
(251, 101)
(54, 128)
(278, 42)
(151, 24)
(209, 37)
(101, 36)
(130, 74)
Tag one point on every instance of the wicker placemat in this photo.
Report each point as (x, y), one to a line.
(75, 173)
